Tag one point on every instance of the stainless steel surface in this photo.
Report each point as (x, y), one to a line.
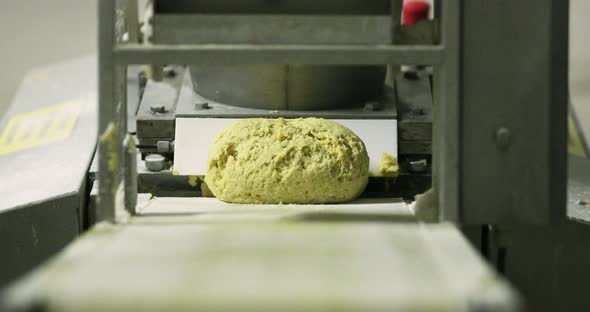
(447, 105)
(276, 29)
(186, 98)
(65, 171)
(43, 187)
(289, 87)
(250, 54)
(415, 113)
(514, 76)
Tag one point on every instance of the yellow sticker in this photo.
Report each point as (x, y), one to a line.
(574, 141)
(39, 127)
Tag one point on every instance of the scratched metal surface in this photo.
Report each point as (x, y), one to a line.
(42, 188)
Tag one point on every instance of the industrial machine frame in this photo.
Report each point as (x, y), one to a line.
(117, 51)
(470, 183)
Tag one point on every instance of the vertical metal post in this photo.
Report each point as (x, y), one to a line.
(132, 21)
(447, 114)
(107, 148)
(113, 112)
(396, 18)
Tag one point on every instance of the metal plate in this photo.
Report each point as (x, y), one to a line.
(195, 135)
(283, 29)
(199, 209)
(514, 77)
(43, 185)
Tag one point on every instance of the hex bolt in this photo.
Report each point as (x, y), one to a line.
(155, 162)
(158, 109)
(142, 77)
(503, 138)
(372, 106)
(202, 105)
(169, 71)
(419, 165)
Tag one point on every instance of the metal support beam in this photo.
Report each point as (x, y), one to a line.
(107, 150)
(241, 54)
(447, 115)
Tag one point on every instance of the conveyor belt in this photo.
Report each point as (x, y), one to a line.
(246, 260)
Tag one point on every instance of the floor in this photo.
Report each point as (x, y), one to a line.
(42, 32)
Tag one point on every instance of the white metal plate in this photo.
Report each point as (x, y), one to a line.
(195, 135)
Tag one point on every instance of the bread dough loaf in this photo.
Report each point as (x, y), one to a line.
(290, 161)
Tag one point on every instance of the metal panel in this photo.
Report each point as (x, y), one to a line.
(195, 210)
(414, 106)
(277, 29)
(384, 108)
(514, 94)
(236, 54)
(43, 187)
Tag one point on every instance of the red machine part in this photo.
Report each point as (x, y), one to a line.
(415, 11)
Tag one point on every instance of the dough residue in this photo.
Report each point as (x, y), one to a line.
(388, 166)
(290, 161)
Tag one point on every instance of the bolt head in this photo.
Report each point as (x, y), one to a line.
(158, 109)
(202, 105)
(503, 138)
(419, 165)
(372, 106)
(169, 71)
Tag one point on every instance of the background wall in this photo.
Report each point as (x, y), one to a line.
(38, 32)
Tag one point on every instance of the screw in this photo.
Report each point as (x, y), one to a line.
(581, 203)
(372, 106)
(125, 37)
(419, 165)
(503, 138)
(155, 162)
(169, 71)
(158, 109)
(142, 79)
(410, 72)
(202, 105)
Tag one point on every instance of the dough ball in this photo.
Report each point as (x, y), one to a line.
(290, 161)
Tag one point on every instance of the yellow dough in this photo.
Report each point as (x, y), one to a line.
(290, 161)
